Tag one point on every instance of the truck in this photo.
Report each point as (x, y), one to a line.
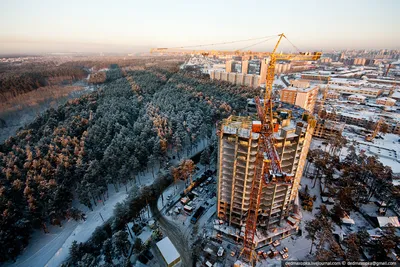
(197, 215)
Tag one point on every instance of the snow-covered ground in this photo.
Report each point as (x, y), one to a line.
(278, 81)
(387, 149)
(53, 248)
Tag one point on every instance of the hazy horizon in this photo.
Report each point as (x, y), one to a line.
(132, 26)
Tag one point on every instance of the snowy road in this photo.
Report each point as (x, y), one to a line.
(52, 249)
(176, 235)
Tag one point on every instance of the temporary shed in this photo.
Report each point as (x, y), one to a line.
(347, 221)
(168, 252)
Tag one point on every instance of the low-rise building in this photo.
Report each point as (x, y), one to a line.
(351, 90)
(332, 95)
(386, 101)
(357, 98)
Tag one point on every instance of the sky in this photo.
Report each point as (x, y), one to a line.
(36, 26)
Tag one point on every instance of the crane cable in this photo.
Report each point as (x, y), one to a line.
(256, 43)
(230, 42)
(295, 47)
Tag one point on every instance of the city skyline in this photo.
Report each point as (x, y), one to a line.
(125, 26)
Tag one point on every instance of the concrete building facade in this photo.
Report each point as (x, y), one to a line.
(237, 162)
(327, 129)
(229, 66)
(245, 66)
(300, 94)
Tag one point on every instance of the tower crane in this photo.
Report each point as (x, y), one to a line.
(267, 165)
(371, 137)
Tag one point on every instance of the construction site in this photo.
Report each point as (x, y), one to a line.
(256, 215)
(261, 159)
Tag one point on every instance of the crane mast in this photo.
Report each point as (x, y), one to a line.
(267, 164)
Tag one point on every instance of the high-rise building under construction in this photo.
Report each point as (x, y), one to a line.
(238, 147)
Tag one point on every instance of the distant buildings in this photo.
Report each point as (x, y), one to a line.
(360, 61)
(250, 80)
(325, 60)
(228, 66)
(282, 67)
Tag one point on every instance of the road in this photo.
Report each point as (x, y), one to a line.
(176, 235)
(284, 81)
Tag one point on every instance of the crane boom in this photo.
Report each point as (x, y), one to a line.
(311, 56)
(376, 131)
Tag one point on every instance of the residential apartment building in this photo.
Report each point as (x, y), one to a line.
(350, 90)
(360, 61)
(245, 66)
(229, 66)
(367, 120)
(250, 80)
(282, 67)
(325, 60)
(300, 94)
(237, 162)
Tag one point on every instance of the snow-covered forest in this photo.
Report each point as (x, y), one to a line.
(106, 137)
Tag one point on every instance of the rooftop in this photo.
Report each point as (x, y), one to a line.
(298, 89)
(357, 96)
(387, 99)
(168, 250)
(386, 221)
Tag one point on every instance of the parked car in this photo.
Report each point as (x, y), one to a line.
(220, 252)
